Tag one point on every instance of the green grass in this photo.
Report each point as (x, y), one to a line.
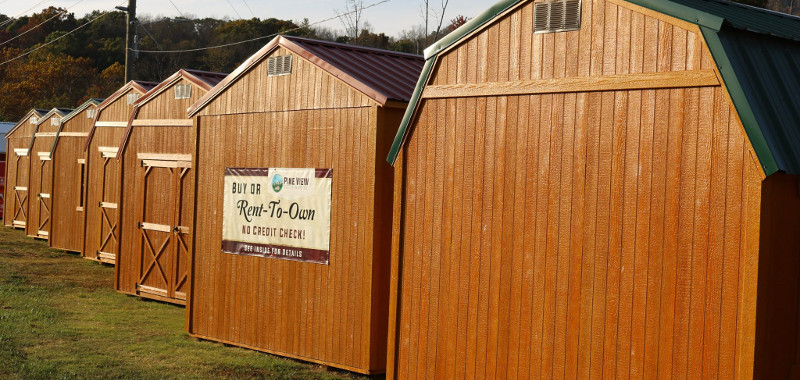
(60, 318)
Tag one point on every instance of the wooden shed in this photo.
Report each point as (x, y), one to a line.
(69, 173)
(101, 233)
(157, 203)
(323, 114)
(601, 188)
(40, 183)
(18, 143)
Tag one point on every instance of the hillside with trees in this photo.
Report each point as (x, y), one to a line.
(43, 65)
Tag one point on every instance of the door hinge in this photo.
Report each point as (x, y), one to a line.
(140, 225)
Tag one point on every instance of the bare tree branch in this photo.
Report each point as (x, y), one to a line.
(351, 17)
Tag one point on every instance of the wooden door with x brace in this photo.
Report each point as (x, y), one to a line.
(108, 246)
(164, 211)
(41, 184)
(20, 202)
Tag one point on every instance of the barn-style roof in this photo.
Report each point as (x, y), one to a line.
(205, 79)
(381, 75)
(757, 52)
(76, 111)
(140, 86)
(38, 112)
(71, 115)
(58, 111)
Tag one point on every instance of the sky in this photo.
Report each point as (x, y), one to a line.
(391, 17)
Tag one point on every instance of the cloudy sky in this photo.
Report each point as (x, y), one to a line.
(390, 17)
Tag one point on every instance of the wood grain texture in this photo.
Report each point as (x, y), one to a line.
(17, 172)
(609, 221)
(67, 221)
(675, 79)
(160, 145)
(334, 314)
(103, 178)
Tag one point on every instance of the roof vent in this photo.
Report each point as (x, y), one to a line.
(131, 97)
(280, 65)
(183, 91)
(557, 16)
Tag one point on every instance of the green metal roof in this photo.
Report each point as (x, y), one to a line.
(757, 52)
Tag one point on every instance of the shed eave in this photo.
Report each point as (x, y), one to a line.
(411, 109)
(472, 25)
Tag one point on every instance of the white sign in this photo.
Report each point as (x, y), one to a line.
(278, 212)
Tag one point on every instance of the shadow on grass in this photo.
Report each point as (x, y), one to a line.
(61, 318)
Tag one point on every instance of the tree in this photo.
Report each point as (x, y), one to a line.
(351, 18)
(45, 80)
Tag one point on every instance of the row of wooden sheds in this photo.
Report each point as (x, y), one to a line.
(577, 188)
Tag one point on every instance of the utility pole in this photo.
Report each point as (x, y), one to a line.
(130, 37)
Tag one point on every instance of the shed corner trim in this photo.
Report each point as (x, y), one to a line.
(411, 110)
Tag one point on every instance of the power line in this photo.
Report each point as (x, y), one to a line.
(176, 8)
(248, 7)
(6, 22)
(257, 38)
(151, 36)
(234, 9)
(40, 24)
(58, 38)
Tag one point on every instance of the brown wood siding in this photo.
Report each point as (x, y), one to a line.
(99, 189)
(334, 314)
(589, 234)
(41, 181)
(67, 220)
(17, 169)
(613, 39)
(307, 87)
(157, 206)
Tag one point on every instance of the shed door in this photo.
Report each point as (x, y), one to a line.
(109, 195)
(20, 205)
(162, 245)
(45, 187)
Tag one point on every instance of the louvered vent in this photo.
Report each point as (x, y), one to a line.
(33, 120)
(131, 97)
(54, 120)
(183, 91)
(557, 16)
(281, 65)
(90, 113)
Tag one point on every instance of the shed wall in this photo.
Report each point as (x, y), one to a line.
(602, 234)
(160, 140)
(100, 189)
(16, 175)
(308, 87)
(68, 215)
(333, 314)
(41, 181)
(615, 38)
(17, 170)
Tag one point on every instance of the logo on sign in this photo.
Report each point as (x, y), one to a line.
(277, 183)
